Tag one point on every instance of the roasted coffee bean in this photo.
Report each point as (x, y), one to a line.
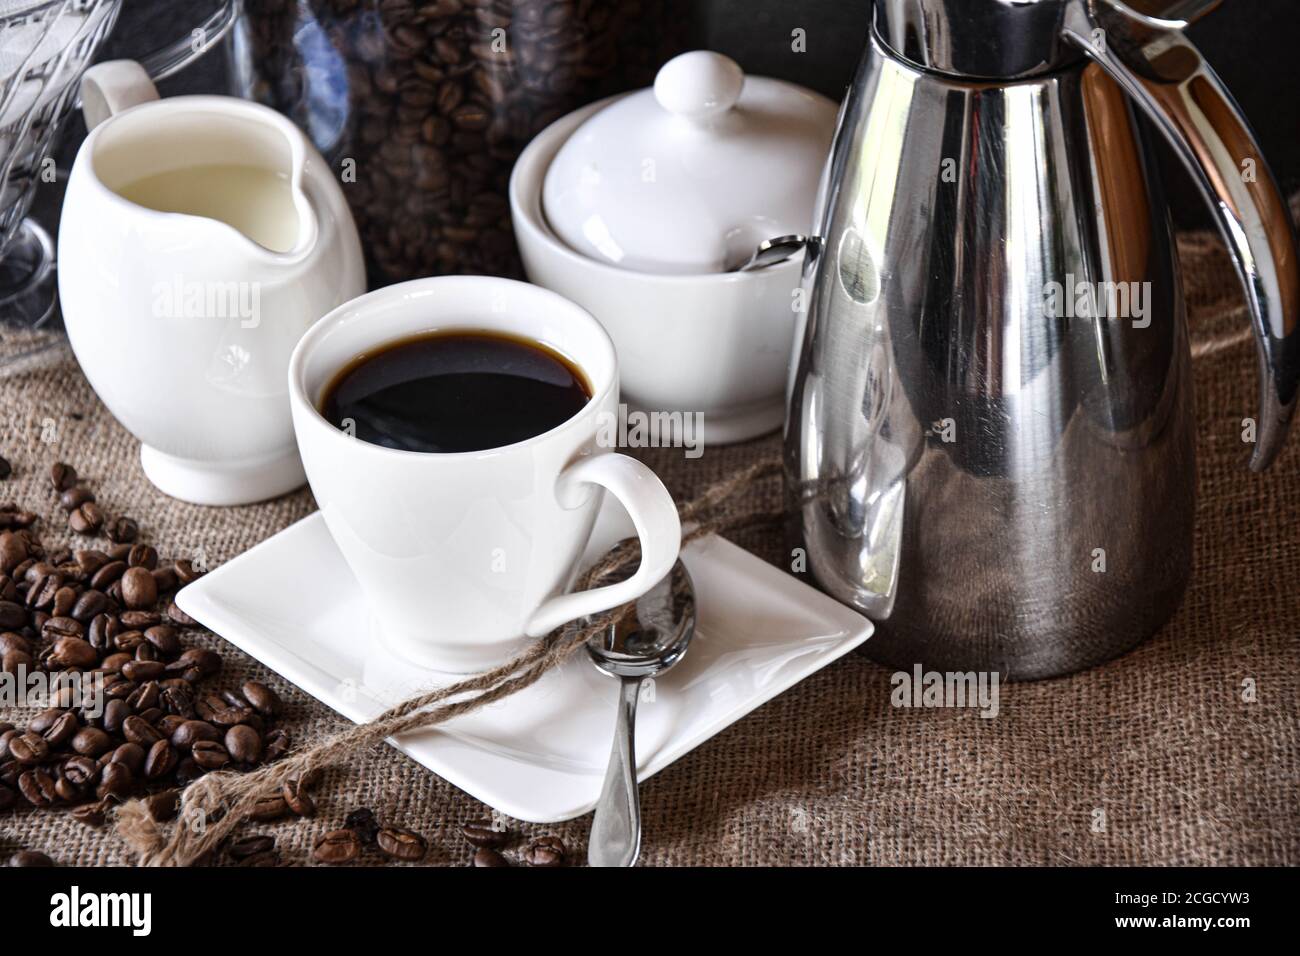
(263, 699)
(296, 799)
(46, 719)
(113, 663)
(168, 723)
(38, 788)
(73, 652)
(177, 702)
(139, 620)
(142, 556)
(118, 552)
(62, 730)
(140, 731)
(132, 756)
(92, 742)
(161, 760)
(267, 809)
(128, 641)
(107, 575)
(164, 639)
(209, 754)
(205, 661)
(178, 617)
(187, 573)
(250, 846)
(191, 732)
(116, 780)
(11, 661)
(30, 858)
(89, 605)
(90, 560)
(230, 716)
(8, 798)
(81, 771)
(29, 748)
(101, 631)
(56, 627)
(64, 600)
(40, 596)
(75, 497)
(244, 744)
(62, 476)
(337, 846)
(115, 712)
(483, 833)
(122, 530)
(545, 851)
(165, 579)
(12, 616)
(164, 805)
(486, 856)
(362, 822)
(12, 641)
(146, 697)
(401, 844)
(138, 670)
(87, 519)
(13, 551)
(92, 814)
(138, 589)
(119, 689)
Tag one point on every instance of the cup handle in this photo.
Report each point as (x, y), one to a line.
(113, 86)
(657, 525)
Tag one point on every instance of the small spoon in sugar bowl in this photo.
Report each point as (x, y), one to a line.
(771, 252)
(635, 651)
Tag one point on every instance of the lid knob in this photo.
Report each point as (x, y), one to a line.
(699, 85)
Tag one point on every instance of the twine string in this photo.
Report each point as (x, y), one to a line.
(215, 805)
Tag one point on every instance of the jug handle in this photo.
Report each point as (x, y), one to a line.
(1140, 44)
(110, 87)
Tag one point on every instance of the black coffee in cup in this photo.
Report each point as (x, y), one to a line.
(455, 391)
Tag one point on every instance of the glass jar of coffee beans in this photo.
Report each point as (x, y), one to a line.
(423, 105)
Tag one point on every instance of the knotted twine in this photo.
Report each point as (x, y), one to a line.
(215, 805)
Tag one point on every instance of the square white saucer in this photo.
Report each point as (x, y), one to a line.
(539, 755)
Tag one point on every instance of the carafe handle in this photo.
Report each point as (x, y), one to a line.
(1141, 45)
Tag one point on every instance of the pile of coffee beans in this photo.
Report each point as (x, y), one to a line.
(361, 831)
(432, 101)
(490, 842)
(107, 611)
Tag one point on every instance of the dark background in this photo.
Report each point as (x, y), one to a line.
(1251, 43)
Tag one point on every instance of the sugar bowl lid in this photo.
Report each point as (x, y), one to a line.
(690, 176)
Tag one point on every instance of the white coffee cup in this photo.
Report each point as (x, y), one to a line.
(464, 556)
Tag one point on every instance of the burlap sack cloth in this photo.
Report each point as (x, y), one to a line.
(1155, 758)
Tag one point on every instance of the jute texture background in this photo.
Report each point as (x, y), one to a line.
(1156, 758)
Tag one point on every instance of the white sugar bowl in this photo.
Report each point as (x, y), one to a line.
(641, 207)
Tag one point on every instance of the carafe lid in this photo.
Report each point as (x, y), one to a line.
(990, 39)
(1010, 39)
(690, 176)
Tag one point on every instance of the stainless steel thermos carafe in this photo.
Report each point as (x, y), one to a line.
(989, 448)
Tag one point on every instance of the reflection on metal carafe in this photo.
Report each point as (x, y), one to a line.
(989, 448)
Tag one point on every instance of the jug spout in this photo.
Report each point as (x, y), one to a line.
(1141, 45)
(234, 171)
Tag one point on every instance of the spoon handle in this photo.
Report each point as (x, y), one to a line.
(616, 830)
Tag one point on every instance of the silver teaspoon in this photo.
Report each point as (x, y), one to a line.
(770, 252)
(634, 651)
